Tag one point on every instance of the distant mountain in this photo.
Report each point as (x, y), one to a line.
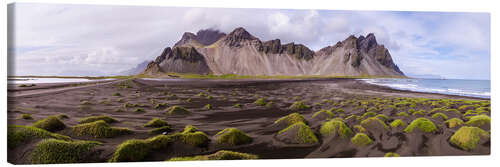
(239, 52)
(136, 70)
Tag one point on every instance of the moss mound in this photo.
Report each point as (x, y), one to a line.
(323, 114)
(361, 140)
(398, 123)
(219, 155)
(439, 115)
(454, 122)
(161, 130)
(298, 106)
(139, 110)
(51, 123)
(359, 128)
(18, 134)
(335, 127)
(373, 123)
(51, 151)
(479, 120)
(391, 154)
(26, 116)
(298, 133)
(423, 124)
(190, 129)
(369, 114)
(290, 119)
(419, 112)
(198, 139)
(468, 137)
(178, 110)
(156, 123)
(99, 129)
(105, 118)
(402, 114)
(131, 150)
(232, 136)
(260, 102)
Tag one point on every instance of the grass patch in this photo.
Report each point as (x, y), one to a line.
(335, 127)
(19, 134)
(424, 124)
(298, 106)
(105, 118)
(391, 154)
(52, 151)
(398, 123)
(178, 110)
(439, 115)
(219, 155)
(51, 123)
(304, 133)
(361, 140)
(468, 137)
(260, 102)
(291, 119)
(99, 129)
(454, 122)
(232, 136)
(478, 120)
(156, 122)
(161, 130)
(26, 116)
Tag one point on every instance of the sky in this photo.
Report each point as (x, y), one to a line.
(94, 40)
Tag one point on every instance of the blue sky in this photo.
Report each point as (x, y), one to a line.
(52, 39)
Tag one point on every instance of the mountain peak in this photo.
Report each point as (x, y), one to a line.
(237, 36)
(209, 36)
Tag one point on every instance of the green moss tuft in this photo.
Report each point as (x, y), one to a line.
(232, 136)
(454, 122)
(18, 134)
(402, 114)
(329, 114)
(51, 123)
(359, 129)
(439, 115)
(260, 102)
(155, 123)
(52, 151)
(178, 110)
(291, 119)
(478, 120)
(361, 140)
(160, 105)
(335, 127)
(105, 118)
(99, 129)
(197, 138)
(160, 130)
(304, 135)
(419, 112)
(391, 154)
(139, 110)
(26, 116)
(423, 124)
(238, 105)
(373, 122)
(207, 107)
(131, 150)
(117, 94)
(398, 123)
(369, 114)
(298, 106)
(219, 155)
(62, 116)
(382, 117)
(467, 137)
(190, 129)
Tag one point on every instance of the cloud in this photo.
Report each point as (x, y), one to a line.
(56, 38)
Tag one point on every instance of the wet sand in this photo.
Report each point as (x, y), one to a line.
(256, 121)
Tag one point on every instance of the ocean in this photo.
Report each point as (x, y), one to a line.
(471, 88)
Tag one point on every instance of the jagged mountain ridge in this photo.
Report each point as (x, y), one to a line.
(239, 52)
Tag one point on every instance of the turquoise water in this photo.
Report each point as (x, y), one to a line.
(472, 88)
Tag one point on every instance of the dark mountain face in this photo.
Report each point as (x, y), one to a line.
(205, 37)
(239, 52)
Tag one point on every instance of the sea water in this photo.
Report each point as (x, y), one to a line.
(472, 88)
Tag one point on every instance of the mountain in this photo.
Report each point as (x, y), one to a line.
(136, 70)
(239, 52)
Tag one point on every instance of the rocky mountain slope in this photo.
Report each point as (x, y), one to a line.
(239, 52)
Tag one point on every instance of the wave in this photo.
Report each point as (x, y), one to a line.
(420, 86)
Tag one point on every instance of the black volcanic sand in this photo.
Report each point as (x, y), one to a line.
(353, 96)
